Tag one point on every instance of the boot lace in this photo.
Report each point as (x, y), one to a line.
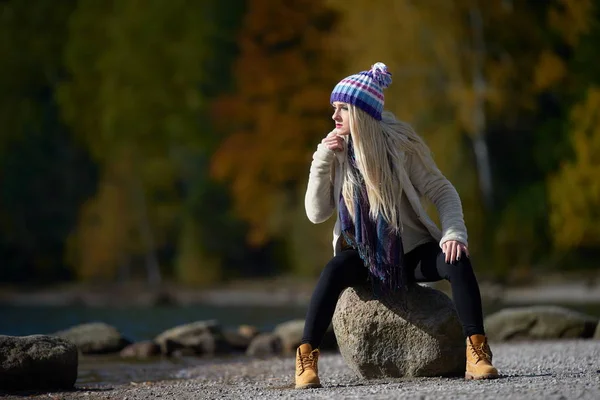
(308, 361)
(481, 352)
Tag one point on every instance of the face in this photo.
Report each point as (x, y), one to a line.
(341, 116)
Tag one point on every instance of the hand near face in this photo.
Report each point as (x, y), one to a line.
(454, 251)
(333, 141)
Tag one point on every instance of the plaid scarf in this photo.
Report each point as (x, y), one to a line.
(378, 246)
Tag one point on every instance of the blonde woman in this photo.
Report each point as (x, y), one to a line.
(372, 170)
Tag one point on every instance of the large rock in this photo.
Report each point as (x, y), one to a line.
(95, 338)
(388, 338)
(37, 363)
(597, 333)
(539, 322)
(291, 333)
(196, 338)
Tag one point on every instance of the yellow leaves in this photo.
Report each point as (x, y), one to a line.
(109, 228)
(571, 18)
(586, 128)
(574, 193)
(549, 71)
(102, 239)
(575, 198)
(423, 48)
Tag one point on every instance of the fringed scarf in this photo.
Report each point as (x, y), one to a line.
(378, 245)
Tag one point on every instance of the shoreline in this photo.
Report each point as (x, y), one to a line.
(271, 293)
(532, 370)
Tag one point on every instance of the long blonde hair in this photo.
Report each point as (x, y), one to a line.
(379, 148)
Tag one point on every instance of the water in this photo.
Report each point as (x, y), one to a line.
(140, 323)
(144, 323)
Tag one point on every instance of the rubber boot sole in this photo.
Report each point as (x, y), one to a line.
(469, 376)
(309, 386)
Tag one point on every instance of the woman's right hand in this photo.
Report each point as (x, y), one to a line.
(333, 141)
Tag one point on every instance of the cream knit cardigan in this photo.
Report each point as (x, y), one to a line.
(325, 184)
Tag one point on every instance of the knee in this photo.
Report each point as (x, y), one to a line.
(339, 265)
(333, 268)
(460, 268)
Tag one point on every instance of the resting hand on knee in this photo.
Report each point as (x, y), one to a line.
(453, 250)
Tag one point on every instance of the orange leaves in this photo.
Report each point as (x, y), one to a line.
(284, 76)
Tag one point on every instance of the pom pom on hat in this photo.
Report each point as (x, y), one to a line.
(381, 75)
(364, 90)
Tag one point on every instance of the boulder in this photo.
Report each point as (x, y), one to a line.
(196, 338)
(597, 333)
(539, 322)
(145, 349)
(417, 333)
(95, 338)
(264, 345)
(37, 362)
(291, 332)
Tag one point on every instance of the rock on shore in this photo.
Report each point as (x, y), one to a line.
(539, 322)
(37, 362)
(95, 338)
(196, 338)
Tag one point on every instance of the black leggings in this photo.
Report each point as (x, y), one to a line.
(427, 262)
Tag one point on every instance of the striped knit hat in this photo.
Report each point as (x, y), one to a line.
(364, 90)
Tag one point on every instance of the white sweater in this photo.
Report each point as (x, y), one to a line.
(325, 184)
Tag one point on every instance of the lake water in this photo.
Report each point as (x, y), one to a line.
(141, 323)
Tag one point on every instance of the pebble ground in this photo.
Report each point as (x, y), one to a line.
(568, 369)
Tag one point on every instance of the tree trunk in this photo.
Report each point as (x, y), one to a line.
(152, 267)
(480, 147)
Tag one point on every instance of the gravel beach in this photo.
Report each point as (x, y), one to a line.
(530, 370)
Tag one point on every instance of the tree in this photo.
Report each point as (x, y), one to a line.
(31, 64)
(479, 81)
(434, 66)
(44, 175)
(278, 113)
(133, 98)
(574, 192)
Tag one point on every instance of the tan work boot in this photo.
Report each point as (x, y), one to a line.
(307, 372)
(479, 359)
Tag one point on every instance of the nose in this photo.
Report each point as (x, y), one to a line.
(336, 115)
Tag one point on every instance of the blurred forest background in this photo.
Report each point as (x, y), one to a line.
(171, 140)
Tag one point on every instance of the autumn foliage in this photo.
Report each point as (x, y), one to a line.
(172, 140)
(284, 75)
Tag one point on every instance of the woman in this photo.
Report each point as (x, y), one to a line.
(373, 169)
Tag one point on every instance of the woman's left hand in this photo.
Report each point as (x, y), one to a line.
(454, 250)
